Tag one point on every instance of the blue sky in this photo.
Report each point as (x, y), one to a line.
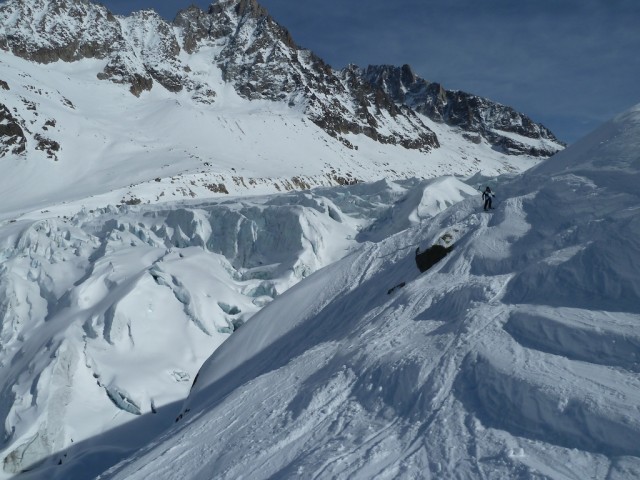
(570, 64)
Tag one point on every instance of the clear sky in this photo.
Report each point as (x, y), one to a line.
(570, 64)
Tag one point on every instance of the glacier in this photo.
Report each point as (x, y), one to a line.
(108, 314)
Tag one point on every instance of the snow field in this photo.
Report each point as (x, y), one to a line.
(124, 149)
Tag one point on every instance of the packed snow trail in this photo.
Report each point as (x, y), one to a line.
(496, 363)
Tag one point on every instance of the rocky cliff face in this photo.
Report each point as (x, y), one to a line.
(50, 30)
(259, 57)
(139, 49)
(477, 116)
(13, 139)
(261, 60)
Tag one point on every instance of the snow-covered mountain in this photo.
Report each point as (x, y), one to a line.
(481, 119)
(156, 204)
(219, 101)
(514, 357)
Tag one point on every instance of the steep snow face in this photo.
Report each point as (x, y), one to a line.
(608, 156)
(515, 356)
(595, 182)
(107, 315)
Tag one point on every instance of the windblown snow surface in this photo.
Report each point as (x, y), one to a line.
(516, 356)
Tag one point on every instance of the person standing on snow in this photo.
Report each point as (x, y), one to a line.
(486, 196)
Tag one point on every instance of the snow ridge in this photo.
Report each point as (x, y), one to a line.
(515, 356)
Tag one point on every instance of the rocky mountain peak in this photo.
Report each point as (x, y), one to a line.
(231, 20)
(478, 117)
(261, 60)
(47, 31)
(249, 8)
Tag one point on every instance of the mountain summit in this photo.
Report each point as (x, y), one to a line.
(478, 117)
(254, 53)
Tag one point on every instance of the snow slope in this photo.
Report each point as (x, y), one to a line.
(517, 356)
(108, 314)
(165, 146)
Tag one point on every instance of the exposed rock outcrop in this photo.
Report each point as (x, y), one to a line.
(46, 31)
(260, 58)
(12, 138)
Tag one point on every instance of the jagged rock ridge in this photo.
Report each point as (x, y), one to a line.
(475, 115)
(256, 55)
(138, 49)
(260, 58)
